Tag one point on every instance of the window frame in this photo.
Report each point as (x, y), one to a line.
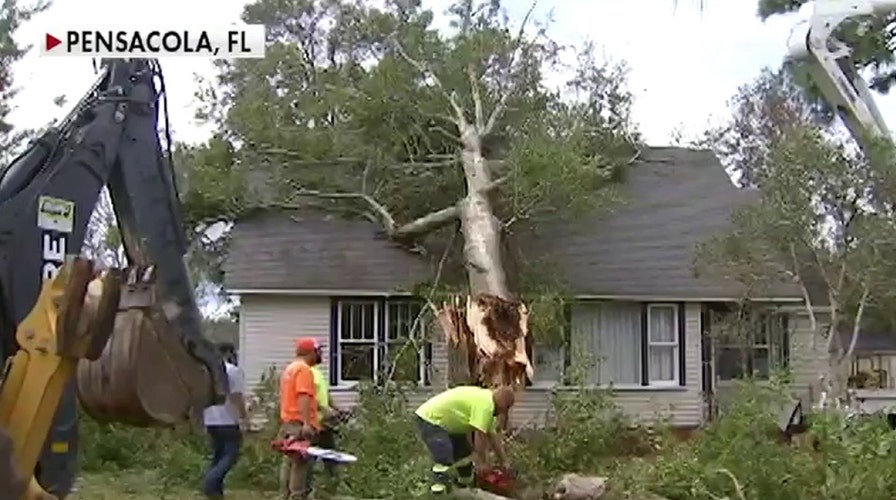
(675, 345)
(776, 345)
(380, 342)
(646, 382)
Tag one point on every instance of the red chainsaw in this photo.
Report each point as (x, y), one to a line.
(497, 480)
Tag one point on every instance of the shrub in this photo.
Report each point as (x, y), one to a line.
(737, 456)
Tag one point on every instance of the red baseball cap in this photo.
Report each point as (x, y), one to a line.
(307, 345)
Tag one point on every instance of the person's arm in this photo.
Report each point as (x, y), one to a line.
(480, 448)
(482, 419)
(497, 444)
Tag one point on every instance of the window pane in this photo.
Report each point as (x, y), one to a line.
(731, 363)
(404, 320)
(356, 361)
(607, 343)
(404, 359)
(662, 324)
(761, 363)
(357, 320)
(548, 364)
(662, 364)
(762, 331)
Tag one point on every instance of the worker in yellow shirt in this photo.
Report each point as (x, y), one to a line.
(447, 422)
(326, 438)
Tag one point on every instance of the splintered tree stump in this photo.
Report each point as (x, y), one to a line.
(578, 487)
(486, 337)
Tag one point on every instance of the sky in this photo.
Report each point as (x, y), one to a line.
(685, 64)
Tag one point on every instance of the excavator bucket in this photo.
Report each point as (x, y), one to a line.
(143, 376)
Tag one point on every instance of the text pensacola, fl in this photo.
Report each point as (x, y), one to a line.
(227, 42)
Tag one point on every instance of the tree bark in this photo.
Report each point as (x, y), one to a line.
(482, 236)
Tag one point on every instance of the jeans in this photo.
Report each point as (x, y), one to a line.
(452, 454)
(226, 441)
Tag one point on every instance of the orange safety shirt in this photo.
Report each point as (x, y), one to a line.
(297, 379)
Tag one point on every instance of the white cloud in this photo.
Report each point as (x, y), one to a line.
(685, 64)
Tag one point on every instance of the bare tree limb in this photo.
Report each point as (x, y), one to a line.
(478, 116)
(460, 119)
(417, 227)
(857, 323)
(382, 213)
(813, 323)
(499, 109)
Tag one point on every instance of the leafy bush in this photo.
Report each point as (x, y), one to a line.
(738, 456)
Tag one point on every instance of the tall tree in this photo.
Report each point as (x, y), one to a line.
(375, 112)
(818, 222)
(12, 14)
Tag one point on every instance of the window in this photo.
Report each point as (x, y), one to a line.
(756, 350)
(624, 344)
(378, 340)
(662, 337)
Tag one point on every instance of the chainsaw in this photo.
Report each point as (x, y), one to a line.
(497, 480)
(304, 449)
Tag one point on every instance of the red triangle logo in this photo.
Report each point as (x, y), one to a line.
(52, 41)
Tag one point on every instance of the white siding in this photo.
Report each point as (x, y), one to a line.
(269, 326)
(808, 354)
(683, 405)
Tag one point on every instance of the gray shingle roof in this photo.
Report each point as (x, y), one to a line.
(675, 199)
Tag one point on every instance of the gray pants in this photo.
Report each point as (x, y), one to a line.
(451, 453)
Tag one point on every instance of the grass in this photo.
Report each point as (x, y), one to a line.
(129, 485)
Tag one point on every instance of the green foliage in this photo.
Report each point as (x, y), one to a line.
(740, 455)
(359, 100)
(823, 216)
(12, 14)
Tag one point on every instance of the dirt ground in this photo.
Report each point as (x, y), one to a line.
(131, 486)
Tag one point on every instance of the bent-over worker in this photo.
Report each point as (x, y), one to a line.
(446, 423)
(298, 417)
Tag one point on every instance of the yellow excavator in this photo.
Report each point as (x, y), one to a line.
(123, 344)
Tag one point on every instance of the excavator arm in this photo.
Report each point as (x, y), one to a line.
(47, 196)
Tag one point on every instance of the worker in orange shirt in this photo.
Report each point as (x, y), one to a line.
(298, 417)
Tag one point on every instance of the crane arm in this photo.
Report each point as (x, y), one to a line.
(831, 67)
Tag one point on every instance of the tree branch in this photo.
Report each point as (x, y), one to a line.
(502, 101)
(416, 228)
(857, 323)
(478, 114)
(813, 323)
(460, 119)
(380, 210)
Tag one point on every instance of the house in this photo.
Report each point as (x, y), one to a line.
(872, 372)
(639, 304)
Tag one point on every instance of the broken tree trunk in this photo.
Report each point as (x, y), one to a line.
(487, 337)
(486, 332)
